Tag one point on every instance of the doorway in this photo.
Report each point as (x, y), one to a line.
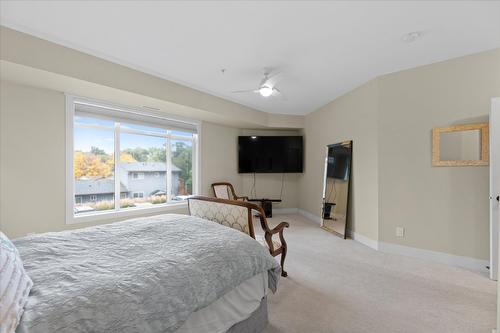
(494, 185)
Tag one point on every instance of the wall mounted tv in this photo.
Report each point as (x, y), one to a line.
(270, 154)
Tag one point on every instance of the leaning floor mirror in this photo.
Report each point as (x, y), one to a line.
(337, 176)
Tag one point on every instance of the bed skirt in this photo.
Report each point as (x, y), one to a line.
(256, 323)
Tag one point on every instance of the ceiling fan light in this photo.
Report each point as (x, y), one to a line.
(265, 91)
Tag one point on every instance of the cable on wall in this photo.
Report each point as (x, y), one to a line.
(282, 185)
(253, 190)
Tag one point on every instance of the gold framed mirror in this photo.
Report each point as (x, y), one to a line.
(461, 145)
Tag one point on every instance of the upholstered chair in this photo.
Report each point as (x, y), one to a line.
(223, 190)
(239, 215)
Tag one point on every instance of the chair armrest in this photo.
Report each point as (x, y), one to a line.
(279, 227)
(276, 230)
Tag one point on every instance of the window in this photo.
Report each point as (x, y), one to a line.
(138, 195)
(93, 164)
(121, 160)
(137, 175)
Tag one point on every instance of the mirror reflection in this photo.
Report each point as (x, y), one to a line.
(462, 145)
(336, 187)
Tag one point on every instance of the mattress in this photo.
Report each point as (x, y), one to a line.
(233, 307)
(162, 269)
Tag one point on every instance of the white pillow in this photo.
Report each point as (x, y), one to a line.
(15, 286)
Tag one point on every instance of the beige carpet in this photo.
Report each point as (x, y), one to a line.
(337, 285)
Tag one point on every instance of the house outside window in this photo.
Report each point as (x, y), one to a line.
(138, 175)
(123, 160)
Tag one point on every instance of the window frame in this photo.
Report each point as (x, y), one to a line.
(149, 117)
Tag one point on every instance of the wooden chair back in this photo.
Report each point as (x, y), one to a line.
(238, 215)
(234, 214)
(224, 190)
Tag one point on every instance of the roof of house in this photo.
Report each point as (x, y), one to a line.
(147, 167)
(96, 186)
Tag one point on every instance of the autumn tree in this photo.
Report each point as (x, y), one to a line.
(90, 165)
(127, 158)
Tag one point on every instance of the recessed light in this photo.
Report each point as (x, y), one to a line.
(253, 137)
(411, 36)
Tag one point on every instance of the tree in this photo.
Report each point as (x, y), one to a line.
(97, 151)
(90, 165)
(127, 158)
(182, 158)
(157, 154)
(139, 154)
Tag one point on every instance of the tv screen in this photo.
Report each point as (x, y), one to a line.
(270, 154)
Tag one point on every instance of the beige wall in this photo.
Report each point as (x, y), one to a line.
(390, 119)
(219, 157)
(37, 62)
(350, 117)
(443, 209)
(32, 161)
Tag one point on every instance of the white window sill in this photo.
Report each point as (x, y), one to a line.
(127, 212)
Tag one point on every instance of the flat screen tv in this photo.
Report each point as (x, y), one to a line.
(270, 154)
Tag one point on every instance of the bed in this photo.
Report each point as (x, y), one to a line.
(166, 273)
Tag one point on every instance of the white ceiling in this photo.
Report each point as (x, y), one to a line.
(323, 49)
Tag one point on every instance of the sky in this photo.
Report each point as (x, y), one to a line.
(85, 138)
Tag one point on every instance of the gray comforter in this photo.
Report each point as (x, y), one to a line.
(141, 275)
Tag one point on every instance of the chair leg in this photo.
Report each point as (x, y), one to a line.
(283, 256)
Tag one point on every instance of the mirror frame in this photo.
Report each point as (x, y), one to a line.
(325, 181)
(436, 142)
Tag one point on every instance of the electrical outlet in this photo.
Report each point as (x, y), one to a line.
(400, 232)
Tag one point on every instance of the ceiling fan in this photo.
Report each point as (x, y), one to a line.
(265, 88)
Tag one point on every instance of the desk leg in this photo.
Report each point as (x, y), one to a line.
(267, 206)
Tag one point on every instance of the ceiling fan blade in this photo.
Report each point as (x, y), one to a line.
(268, 76)
(271, 75)
(243, 91)
(263, 81)
(277, 92)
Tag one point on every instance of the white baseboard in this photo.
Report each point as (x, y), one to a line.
(363, 239)
(473, 264)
